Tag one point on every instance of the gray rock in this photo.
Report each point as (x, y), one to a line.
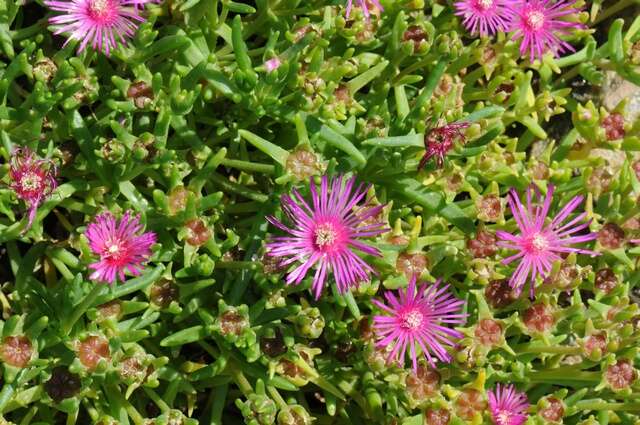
(616, 88)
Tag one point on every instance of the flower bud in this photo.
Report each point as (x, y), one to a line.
(45, 69)
(141, 93)
(620, 375)
(470, 403)
(488, 332)
(611, 236)
(551, 409)
(303, 163)
(16, 351)
(177, 199)
(437, 417)
(489, 208)
(422, 384)
(197, 232)
(613, 125)
(411, 264)
(606, 280)
(309, 323)
(538, 318)
(294, 415)
(484, 244)
(91, 350)
(163, 292)
(258, 410)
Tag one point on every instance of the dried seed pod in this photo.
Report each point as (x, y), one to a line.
(484, 245)
(470, 402)
(62, 384)
(613, 125)
(141, 93)
(489, 208)
(552, 410)
(163, 292)
(606, 280)
(499, 293)
(411, 264)
(620, 375)
(197, 232)
(423, 383)
(437, 417)
(611, 236)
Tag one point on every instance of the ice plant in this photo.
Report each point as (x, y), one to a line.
(539, 24)
(539, 243)
(486, 17)
(508, 406)
(99, 23)
(326, 234)
(418, 319)
(272, 64)
(364, 5)
(119, 245)
(32, 179)
(439, 140)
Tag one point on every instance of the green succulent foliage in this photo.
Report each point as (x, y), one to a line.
(188, 127)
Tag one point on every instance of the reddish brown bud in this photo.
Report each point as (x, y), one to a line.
(177, 199)
(16, 351)
(554, 410)
(484, 245)
(398, 240)
(499, 294)
(232, 322)
(488, 332)
(489, 208)
(198, 232)
(110, 309)
(606, 280)
(141, 93)
(291, 369)
(93, 349)
(416, 34)
(163, 292)
(437, 417)
(537, 318)
(468, 403)
(273, 347)
(621, 374)
(611, 236)
(596, 341)
(422, 384)
(411, 264)
(614, 126)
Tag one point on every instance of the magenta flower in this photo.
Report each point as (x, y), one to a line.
(539, 24)
(119, 245)
(326, 234)
(438, 142)
(364, 5)
(272, 64)
(419, 319)
(539, 244)
(101, 23)
(486, 17)
(32, 179)
(508, 406)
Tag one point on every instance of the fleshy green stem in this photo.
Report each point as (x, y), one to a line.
(82, 307)
(597, 404)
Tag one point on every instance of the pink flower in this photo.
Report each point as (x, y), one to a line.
(119, 245)
(486, 17)
(438, 142)
(32, 179)
(326, 234)
(539, 244)
(364, 5)
(539, 24)
(272, 64)
(507, 405)
(419, 319)
(101, 23)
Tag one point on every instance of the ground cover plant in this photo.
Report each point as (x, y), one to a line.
(331, 212)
